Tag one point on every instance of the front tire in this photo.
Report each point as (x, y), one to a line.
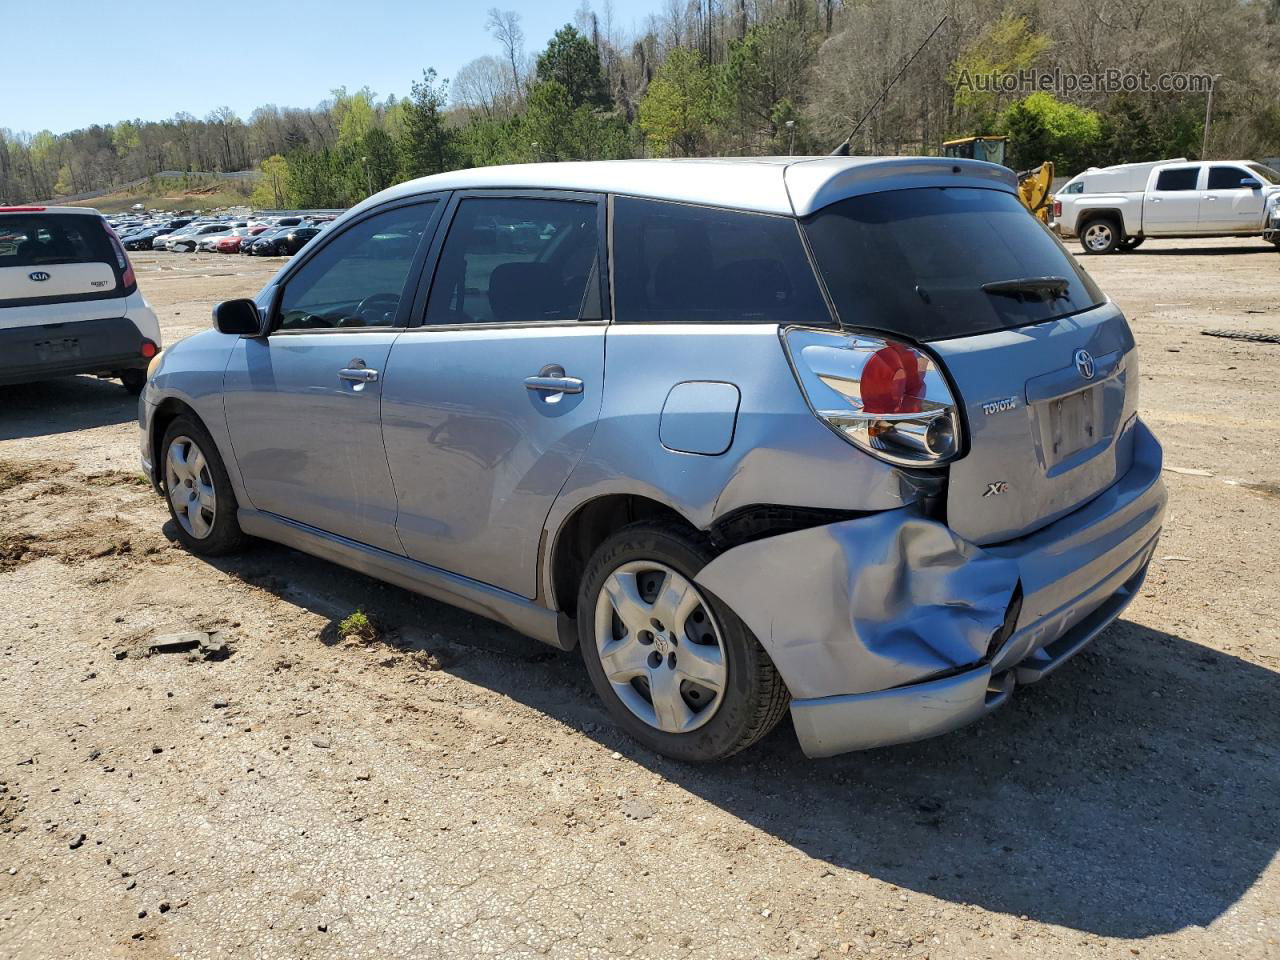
(673, 664)
(1100, 235)
(201, 502)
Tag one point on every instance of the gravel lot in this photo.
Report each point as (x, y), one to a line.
(452, 789)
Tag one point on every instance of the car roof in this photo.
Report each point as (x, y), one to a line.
(792, 186)
(38, 208)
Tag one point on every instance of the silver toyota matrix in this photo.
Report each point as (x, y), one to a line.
(849, 436)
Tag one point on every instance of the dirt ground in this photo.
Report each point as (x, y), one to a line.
(451, 789)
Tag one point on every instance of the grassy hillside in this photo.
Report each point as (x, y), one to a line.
(172, 195)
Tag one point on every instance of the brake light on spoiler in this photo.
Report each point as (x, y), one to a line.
(884, 396)
(22, 209)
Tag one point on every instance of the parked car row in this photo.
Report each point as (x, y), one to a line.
(260, 236)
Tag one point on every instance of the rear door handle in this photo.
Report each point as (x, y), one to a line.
(554, 384)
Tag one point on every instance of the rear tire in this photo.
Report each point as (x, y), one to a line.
(657, 681)
(133, 380)
(1100, 235)
(201, 502)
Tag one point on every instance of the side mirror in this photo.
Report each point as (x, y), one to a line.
(1250, 184)
(239, 317)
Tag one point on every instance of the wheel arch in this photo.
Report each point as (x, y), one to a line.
(587, 526)
(168, 410)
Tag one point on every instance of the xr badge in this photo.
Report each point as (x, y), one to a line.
(997, 488)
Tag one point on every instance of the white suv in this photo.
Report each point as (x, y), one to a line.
(69, 302)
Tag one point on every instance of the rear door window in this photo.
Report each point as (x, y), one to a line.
(1179, 178)
(677, 263)
(941, 262)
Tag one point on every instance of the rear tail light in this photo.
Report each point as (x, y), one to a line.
(149, 349)
(885, 396)
(122, 259)
(1057, 209)
(21, 209)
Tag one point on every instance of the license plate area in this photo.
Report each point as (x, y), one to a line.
(60, 348)
(1071, 424)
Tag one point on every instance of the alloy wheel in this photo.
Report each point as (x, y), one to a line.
(1098, 236)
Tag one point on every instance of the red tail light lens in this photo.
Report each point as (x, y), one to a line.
(149, 349)
(887, 397)
(893, 380)
(1057, 208)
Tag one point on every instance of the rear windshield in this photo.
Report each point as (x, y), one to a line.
(915, 262)
(40, 239)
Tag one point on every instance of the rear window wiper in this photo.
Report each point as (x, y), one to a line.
(1041, 288)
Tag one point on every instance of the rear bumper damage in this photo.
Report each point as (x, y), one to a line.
(889, 628)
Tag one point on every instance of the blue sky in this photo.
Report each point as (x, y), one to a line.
(98, 62)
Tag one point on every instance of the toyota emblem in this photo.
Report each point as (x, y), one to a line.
(1084, 363)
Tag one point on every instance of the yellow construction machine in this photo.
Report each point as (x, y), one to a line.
(1034, 185)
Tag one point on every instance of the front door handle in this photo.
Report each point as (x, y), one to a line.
(554, 384)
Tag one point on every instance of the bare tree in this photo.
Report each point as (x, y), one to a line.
(482, 85)
(506, 29)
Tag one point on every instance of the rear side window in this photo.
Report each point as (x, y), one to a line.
(50, 238)
(675, 263)
(1179, 178)
(935, 263)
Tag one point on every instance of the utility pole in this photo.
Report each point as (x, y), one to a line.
(1208, 113)
(368, 174)
(791, 143)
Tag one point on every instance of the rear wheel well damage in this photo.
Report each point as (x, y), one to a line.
(594, 522)
(588, 527)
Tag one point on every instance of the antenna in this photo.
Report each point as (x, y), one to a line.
(843, 149)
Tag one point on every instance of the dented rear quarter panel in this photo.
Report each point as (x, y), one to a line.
(780, 453)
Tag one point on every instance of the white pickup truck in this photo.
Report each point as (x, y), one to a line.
(1116, 208)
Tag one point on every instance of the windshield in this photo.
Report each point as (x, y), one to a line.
(41, 239)
(1265, 173)
(937, 262)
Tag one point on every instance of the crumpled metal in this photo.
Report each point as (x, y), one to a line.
(866, 604)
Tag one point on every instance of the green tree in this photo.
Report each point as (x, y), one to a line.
(762, 80)
(271, 190)
(379, 161)
(1004, 47)
(679, 106)
(427, 143)
(1041, 127)
(353, 113)
(572, 61)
